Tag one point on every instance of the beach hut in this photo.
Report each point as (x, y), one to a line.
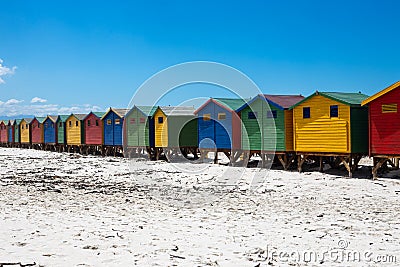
(75, 131)
(25, 132)
(139, 127)
(3, 132)
(267, 126)
(37, 133)
(175, 128)
(331, 124)
(61, 131)
(49, 131)
(10, 132)
(384, 126)
(219, 126)
(17, 132)
(93, 129)
(113, 121)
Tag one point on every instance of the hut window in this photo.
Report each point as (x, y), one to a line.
(109, 122)
(306, 113)
(272, 114)
(46, 125)
(221, 116)
(252, 115)
(132, 121)
(60, 125)
(389, 108)
(142, 120)
(88, 123)
(206, 117)
(70, 123)
(22, 127)
(77, 123)
(160, 119)
(334, 112)
(38, 126)
(117, 121)
(97, 122)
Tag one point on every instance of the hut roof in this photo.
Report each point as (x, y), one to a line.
(79, 116)
(97, 114)
(350, 99)
(52, 118)
(17, 121)
(280, 101)
(381, 93)
(28, 120)
(121, 112)
(177, 111)
(63, 118)
(40, 119)
(231, 104)
(147, 110)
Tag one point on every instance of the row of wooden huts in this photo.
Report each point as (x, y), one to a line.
(325, 127)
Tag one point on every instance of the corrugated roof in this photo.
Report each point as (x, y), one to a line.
(121, 111)
(284, 101)
(381, 93)
(63, 118)
(40, 119)
(80, 116)
(147, 110)
(99, 114)
(178, 111)
(231, 103)
(28, 120)
(52, 118)
(351, 99)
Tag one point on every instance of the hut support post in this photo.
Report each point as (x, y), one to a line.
(321, 164)
(216, 157)
(377, 164)
(301, 161)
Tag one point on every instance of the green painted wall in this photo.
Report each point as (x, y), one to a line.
(138, 133)
(182, 131)
(263, 133)
(359, 129)
(60, 133)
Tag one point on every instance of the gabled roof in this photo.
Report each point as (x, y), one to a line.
(121, 112)
(147, 110)
(78, 116)
(280, 101)
(381, 93)
(350, 99)
(39, 119)
(231, 104)
(97, 114)
(63, 118)
(177, 111)
(52, 118)
(17, 121)
(28, 120)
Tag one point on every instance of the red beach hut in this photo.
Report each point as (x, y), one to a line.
(3, 132)
(93, 128)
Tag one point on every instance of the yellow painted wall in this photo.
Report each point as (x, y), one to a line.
(289, 130)
(161, 129)
(320, 133)
(73, 132)
(25, 132)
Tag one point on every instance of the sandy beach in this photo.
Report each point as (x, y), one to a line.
(62, 209)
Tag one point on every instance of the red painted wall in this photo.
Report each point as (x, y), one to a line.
(93, 133)
(36, 132)
(385, 127)
(3, 133)
(236, 131)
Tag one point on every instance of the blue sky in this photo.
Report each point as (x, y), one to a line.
(74, 56)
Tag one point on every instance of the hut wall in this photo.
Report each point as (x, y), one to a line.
(49, 131)
(3, 133)
(93, 130)
(112, 125)
(320, 132)
(73, 131)
(10, 133)
(160, 129)
(36, 132)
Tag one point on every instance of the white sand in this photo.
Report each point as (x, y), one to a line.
(68, 210)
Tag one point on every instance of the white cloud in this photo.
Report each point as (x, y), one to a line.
(38, 100)
(5, 71)
(13, 101)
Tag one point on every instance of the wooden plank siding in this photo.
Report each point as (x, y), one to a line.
(384, 126)
(25, 131)
(37, 133)
(3, 132)
(113, 121)
(320, 132)
(93, 129)
(140, 127)
(49, 130)
(11, 135)
(289, 130)
(160, 129)
(17, 132)
(61, 129)
(74, 129)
